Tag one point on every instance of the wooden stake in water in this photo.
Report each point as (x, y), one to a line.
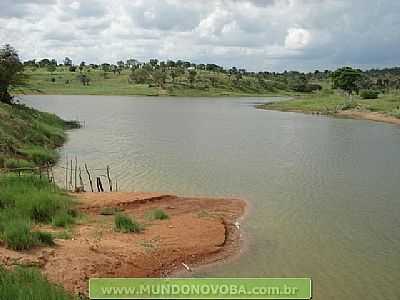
(70, 178)
(66, 172)
(76, 173)
(109, 178)
(90, 178)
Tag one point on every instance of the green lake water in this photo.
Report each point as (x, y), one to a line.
(324, 192)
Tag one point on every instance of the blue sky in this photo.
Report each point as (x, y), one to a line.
(273, 35)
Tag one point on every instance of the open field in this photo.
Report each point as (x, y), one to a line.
(385, 109)
(207, 83)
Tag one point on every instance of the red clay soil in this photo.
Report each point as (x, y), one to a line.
(199, 231)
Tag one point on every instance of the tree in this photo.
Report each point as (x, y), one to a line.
(153, 62)
(192, 76)
(67, 61)
(44, 62)
(11, 72)
(159, 77)
(139, 76)
(346, 79)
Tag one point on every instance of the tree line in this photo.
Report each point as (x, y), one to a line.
(369, 84)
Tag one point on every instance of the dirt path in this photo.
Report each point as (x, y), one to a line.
(199, 231)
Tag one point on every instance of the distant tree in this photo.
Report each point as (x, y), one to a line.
(192, 76)
(54, 62)
(84, 79)
(67, 61)
(159, 77)
(153, 62)
(121, 64)
(213, 79)
(72, 68)
(44, 63)
(11, 72)
(132, 63)
(106, 67)
(51, 68)
(346, 79)
(170, 64)
(82, 66)
(139, 76)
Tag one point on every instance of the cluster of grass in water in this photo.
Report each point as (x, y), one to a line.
(29, 200)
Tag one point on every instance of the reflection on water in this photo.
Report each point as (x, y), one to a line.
(324, 192)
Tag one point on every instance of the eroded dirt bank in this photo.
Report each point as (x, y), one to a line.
(199, 231)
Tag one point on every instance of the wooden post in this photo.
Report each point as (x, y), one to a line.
(76, 173)
(99, 185)
(116, 185)
(90, 178)
(82, 186)
(109, 179)
(66, 172)
(70, 178)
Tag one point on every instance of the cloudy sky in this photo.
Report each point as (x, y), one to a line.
(255, 34)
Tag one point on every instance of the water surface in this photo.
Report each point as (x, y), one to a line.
(324, 192)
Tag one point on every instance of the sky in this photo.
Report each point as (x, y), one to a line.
(259, 35)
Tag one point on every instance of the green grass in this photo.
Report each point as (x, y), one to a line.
(27, 283)
(126, 224)
(29, 137)
(29, 200)
(40, 82)
(327, 102)
(157, 214)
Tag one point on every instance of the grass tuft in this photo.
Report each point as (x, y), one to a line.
(126, 224)
(157, 214)
(27, 283)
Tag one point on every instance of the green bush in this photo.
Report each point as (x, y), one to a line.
(44, 238)
(369, 94)
(126, 224)
(157, 214)
(27, 283)
(28, 199)
(12, 163)
(40, 156)
(63, 219)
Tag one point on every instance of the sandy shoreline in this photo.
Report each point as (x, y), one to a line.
(199, 231)
(352, 114)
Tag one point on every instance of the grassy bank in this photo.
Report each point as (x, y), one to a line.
(330, 102)
(28, 138)
(28, 283)
(207, 83)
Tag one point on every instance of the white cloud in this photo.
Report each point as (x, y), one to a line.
(255, 34)
(297, 38)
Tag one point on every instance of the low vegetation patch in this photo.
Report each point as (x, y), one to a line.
(157, 214)
(126, 224)
(28, 137)
(110, 211)
(29, 200)
(28, 283)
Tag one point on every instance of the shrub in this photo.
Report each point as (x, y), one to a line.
(125, 224)
(12, 163)
(40, 156)
(63, 219)
(17, 235)
(28, 283)
(369, 94)
(43, 238)
(157, 214)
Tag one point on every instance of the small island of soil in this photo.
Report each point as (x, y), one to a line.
(198, 231)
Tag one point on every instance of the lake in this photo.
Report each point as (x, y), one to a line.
(324, 192)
